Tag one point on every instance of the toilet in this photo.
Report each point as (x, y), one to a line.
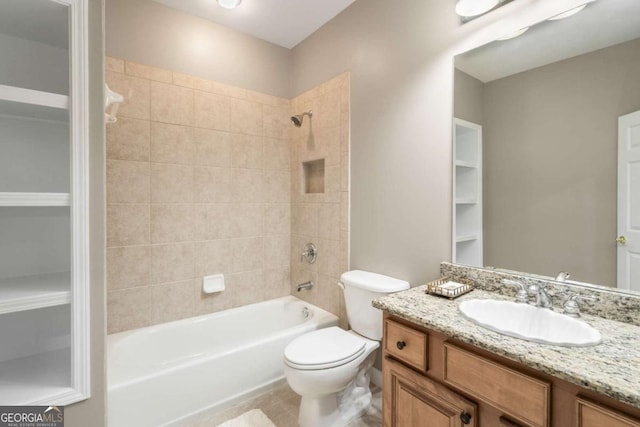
(330, 367)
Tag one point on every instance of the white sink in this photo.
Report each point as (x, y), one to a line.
(530, 323)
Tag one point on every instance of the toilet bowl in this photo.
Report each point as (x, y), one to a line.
(329, 368)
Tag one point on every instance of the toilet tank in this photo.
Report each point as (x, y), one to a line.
(362, 287)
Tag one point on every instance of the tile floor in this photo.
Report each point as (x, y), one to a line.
(281, 405)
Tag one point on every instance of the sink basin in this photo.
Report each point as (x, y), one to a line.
(530, 323)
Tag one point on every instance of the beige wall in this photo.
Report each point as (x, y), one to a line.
(148, 32)
(322, 218)
(468, 98)
(92, 412)
(401, 65)
(550, 157)
(198, 183)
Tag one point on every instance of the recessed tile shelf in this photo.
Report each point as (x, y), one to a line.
(35, 199)
(31, 292)
(313, 176)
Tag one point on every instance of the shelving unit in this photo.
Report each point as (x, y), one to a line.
(467, 193)
(44, 270)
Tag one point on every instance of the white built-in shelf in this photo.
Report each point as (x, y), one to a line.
(466, 201)
(17, 101)
(31, 292)
(35, 199)
(466, 238)
(34, 379)
(465, 164)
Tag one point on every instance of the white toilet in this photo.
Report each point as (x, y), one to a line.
(330, 367)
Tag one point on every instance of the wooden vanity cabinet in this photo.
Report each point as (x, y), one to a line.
(432, 380)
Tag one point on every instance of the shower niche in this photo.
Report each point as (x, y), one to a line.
(313, 176)
(44, 262)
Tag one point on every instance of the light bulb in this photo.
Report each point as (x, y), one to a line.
(229, 4)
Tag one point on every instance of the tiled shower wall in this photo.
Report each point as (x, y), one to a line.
(198, 183)
(321, 217)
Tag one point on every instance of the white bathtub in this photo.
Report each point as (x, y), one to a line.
(169, 374)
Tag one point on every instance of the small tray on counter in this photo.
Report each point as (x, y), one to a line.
(449, 287)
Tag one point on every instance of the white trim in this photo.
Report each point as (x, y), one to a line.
(33, 97)
(35, 199)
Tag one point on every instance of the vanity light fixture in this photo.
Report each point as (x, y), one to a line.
(513, 35)
(229, 4)
(469, 8)
(568, 13)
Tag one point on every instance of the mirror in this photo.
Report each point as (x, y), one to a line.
(548, 104)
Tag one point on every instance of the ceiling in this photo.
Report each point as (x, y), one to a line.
(282, 22)
(601, 24)
(42, 21)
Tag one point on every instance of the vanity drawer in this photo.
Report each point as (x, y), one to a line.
(523, 397)
(406, 344)
(591, 414)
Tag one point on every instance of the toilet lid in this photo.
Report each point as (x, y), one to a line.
(324, 348)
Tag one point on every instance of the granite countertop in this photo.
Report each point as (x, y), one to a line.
(611, 368)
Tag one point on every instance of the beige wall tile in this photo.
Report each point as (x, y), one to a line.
(277, 251)
(213, 185)
(277, 219)
(127, 267)
(172, 143)
(135, 92)
(345, 137)
(305, 219)
(212, 221)
(128, 309)
(128, 139)
(246, 151)
(247, 288)
(302, 275)
(344, 171)
(326, 110)
(277, 121)
(344, 252)
(277, 186)
(330, 295)
(325, 144)
(113, 64)
(147, 72)
(247, 186)
(127, 182)
(172, 183)
(213, 257)
(172, 301)
(265, 99)
(247, 254)
(277, 282)
(213, 148)
(329, 257)
(228, 90)
(332, 184)
(192, 82)
(277, 154)
(210, 303)
(172, 223)
(172, 263)
(171, 104)
(247, 219)
(212, 111)
(344, 211)
(127, 225)
(329, 221)
(246, 117)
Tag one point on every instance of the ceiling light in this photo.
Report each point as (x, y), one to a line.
(568, 13)
(469, 8)
(229, 4)
(513, 35)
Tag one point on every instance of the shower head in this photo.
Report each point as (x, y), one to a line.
(297, 119)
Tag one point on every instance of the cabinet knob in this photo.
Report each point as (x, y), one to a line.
(401, 345)
(465, 418)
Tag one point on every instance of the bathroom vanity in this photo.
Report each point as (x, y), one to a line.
(441, 369)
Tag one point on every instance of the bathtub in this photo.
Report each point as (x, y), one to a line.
(173, 373)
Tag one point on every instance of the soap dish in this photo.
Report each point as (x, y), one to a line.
(449, 287)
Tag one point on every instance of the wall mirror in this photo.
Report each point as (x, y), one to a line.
(539, 118)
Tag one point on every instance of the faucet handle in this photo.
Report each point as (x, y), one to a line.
(522, 295)
(571, 307)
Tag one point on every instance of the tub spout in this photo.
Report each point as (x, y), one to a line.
(305, 285)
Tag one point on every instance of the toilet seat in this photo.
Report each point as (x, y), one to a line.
(323, 349)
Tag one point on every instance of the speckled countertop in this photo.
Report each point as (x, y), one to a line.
(611, 368)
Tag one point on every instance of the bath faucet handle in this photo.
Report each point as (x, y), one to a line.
(522, 295)
(571, 307)
(309, 253)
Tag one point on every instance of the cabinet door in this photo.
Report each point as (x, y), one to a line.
(594, 415)
(411, 400)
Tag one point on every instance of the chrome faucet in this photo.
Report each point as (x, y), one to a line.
(562, 276)
(305, 285)
(571, 307)
(542, 296)
(522, 296)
